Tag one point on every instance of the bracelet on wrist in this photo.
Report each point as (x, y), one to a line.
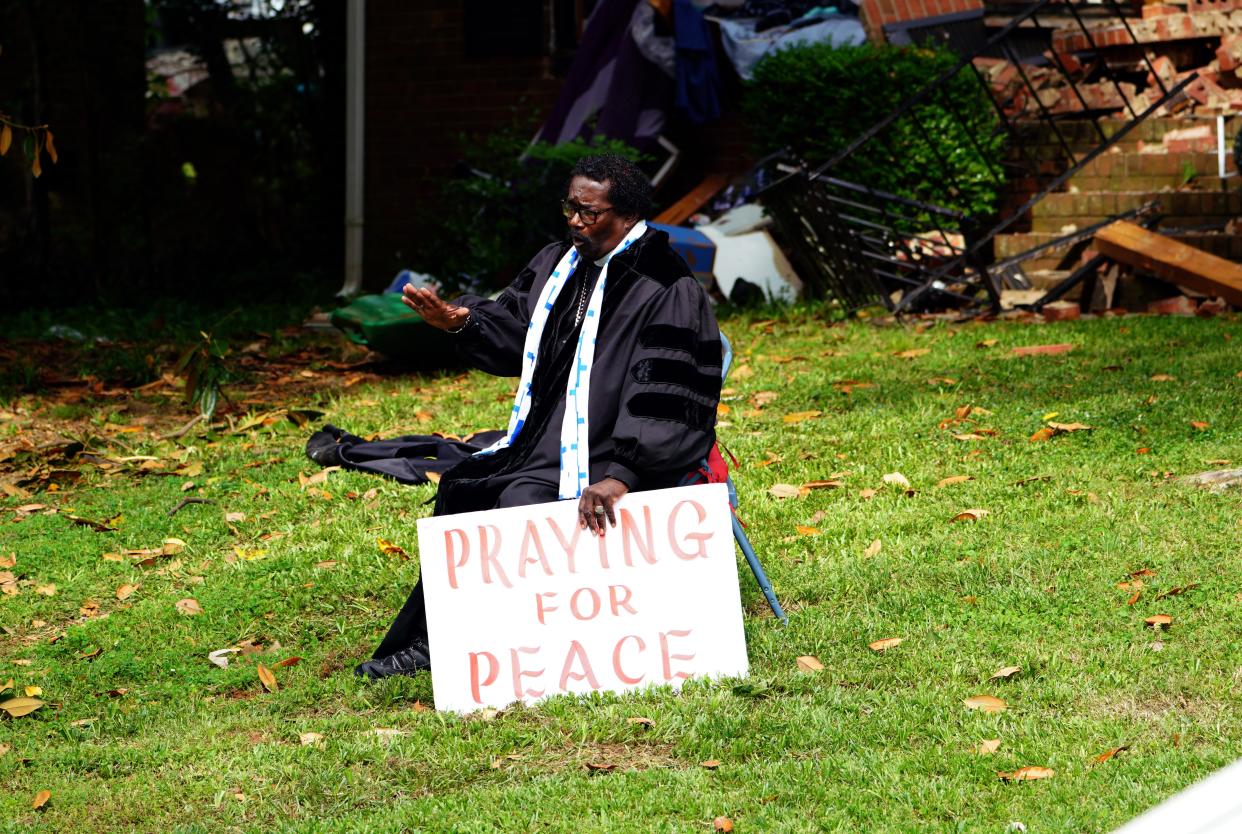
(464, 325)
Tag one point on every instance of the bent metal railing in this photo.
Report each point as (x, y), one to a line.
(863, 245)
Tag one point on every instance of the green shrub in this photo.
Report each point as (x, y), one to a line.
(815, 99)
(483, 229)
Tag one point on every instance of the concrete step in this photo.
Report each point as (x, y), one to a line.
(1102, 204)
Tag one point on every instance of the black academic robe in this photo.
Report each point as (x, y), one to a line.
(655, 386)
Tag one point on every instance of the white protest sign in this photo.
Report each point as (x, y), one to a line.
(522, 603)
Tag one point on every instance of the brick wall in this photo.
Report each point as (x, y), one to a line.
(422, 92)
(876, 13)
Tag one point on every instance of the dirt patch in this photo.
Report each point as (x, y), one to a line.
(1153, 707)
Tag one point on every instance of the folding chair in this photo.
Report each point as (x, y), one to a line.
(715, 469)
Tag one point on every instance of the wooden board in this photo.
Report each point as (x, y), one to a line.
(1171, 260)
(680, 211)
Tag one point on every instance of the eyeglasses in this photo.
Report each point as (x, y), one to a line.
(586, 215)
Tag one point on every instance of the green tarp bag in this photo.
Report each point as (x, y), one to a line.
(387, 326)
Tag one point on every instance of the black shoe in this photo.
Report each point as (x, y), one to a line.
(324, 447)
(405, 662)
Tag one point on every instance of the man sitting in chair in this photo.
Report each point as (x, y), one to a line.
(619, 359)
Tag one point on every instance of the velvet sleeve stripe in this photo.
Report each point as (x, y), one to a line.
(676, 372)
(672, 407)
(709, 353)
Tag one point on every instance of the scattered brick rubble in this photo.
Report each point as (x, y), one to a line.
(1173, 158)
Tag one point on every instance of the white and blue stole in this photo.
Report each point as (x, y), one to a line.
(575, 443)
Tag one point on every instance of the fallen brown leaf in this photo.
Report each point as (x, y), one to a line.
(41, 799)
(1041, 435)
(810, 663)
(783, 491)
(830, 484)
(310, 738)
(17, 707)
(1069, 427)
(987, 747)
(866, 494)
(108, 525)
(48, 590)
(1005, 672)
(288, 661)
(969, 515)
(1110, 753)
(267, 679)
(189, 607)
(985, 703)
(873, 549)
(600, 767)
(771, 459)
(885, 644)
(1159, 621)
(1027, 774)
(1134, 598)
(389, 549)
(1162, 378)
(800, 416)
(34, 691)
(1181, 589)
(641, 720)
(320, 477)
(803, 530)
(954, 479)
(1042, 350)
(897, 479)
(710, 764)
(913, 353)
(722, 824)
(126, 591)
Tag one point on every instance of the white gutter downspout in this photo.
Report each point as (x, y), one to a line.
(355, 135)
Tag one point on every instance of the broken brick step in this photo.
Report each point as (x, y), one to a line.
(1200, 138)
(1159, 29)
(1082, 134)
(1138, 172)
(1226, 246)
(1155, 164)
(1057, 224)
(1107, 203)
(1166, 183)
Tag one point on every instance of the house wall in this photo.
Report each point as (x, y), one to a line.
(876, 13)
(422, 91)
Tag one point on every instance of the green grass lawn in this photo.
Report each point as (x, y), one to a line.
(140, 732)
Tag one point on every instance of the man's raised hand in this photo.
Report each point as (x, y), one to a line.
(434, 310)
